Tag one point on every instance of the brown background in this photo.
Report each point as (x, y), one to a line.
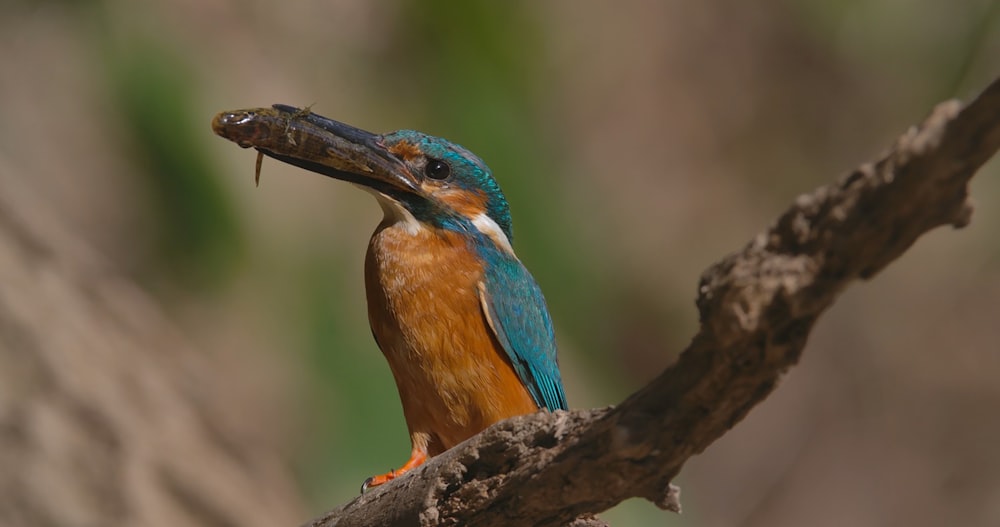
(637, 141)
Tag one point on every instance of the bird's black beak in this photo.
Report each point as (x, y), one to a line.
(313, 142)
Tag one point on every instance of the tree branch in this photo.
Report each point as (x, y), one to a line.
(757, 307)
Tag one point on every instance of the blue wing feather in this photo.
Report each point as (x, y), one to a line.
(520, 320)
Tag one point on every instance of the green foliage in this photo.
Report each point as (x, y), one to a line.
(198, 238)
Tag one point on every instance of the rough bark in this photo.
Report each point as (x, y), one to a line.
(106, 414)
(757, 307)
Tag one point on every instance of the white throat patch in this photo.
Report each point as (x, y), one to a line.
(397, 214)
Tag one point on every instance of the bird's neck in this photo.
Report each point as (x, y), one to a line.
(477, 230)
(405, 252)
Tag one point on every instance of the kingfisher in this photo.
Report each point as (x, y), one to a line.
(460, 320)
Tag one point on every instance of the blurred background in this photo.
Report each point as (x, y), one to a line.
(637, 141)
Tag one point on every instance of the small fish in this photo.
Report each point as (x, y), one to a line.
(298, 113)
(296, 136)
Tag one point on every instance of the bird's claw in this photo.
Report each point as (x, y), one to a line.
(375, 481)
(366, 484)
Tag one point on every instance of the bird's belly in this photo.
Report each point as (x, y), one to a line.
(452, 394)
(454, 379)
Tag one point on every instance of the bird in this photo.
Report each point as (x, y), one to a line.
(460, 320)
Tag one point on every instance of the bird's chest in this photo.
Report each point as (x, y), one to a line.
(426, 313)
(423, 297)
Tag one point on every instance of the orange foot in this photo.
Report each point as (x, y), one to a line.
(417, 458)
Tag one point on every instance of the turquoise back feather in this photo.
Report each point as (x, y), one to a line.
(523, 327)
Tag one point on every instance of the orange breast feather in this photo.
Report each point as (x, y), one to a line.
(453, 377)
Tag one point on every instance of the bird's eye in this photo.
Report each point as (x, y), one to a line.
(437, 169)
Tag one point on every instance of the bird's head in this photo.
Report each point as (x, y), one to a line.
(448, 181)
(415, 176)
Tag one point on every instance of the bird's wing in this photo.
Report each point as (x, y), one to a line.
(516, 312)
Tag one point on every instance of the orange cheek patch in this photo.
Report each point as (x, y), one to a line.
(468, 203)
(406, 150)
